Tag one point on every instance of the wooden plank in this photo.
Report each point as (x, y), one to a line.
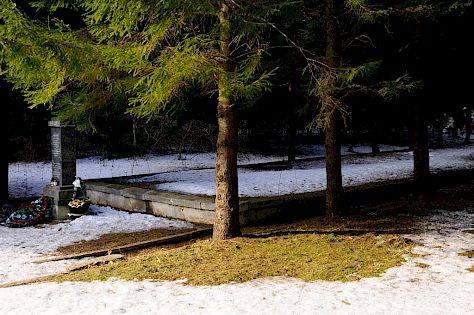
(130, 247)
(95, 261)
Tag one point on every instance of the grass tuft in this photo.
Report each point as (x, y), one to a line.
(422, 265)
(468, 254)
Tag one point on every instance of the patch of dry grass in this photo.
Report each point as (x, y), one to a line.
(471, 269)
(308, 256)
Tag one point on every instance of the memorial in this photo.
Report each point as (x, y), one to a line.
(63, 160)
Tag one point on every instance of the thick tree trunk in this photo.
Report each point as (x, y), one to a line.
(226, 223)
(334, 191)
(468, 126)
(421, 159)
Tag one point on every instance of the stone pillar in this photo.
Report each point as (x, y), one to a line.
(63, 153)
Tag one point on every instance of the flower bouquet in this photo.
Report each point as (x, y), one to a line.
(79, 205)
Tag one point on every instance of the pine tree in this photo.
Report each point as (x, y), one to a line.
(149, 52)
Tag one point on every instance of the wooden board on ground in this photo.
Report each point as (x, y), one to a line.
(95, 261)
(135, 246)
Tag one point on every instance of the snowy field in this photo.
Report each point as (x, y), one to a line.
(28, 179)
(445, 287)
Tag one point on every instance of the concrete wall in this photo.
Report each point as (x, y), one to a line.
(200, 209)
(196, 209)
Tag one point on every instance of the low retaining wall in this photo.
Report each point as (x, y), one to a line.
(200, 209)
(192, 208)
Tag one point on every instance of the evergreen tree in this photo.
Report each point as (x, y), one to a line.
(150, 52)
(350, 67)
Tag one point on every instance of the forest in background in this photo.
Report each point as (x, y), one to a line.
(139, 77)
(431, 45)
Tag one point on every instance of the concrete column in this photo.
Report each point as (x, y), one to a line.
(63, 153)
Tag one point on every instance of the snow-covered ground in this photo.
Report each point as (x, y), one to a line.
(28, 179)
(311, 176)
(195, 174)
(445, 287)
(19, 247)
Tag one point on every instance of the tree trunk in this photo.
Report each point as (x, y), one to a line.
(421, 159)
(291, 123)
(291, 134)
(439, 128)
(374, 139)
(457, 122)
(334, 191)
(4, 156)
(226, 223)
(3, 177)
(468, 126)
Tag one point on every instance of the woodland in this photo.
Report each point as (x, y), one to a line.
(155, 76)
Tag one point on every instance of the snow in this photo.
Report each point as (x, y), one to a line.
(21, 246)
(311, 176)
(444, 287)
(28, 179)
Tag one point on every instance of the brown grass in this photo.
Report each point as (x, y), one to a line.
(307, 249)
(468, 254)
(422, 265)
